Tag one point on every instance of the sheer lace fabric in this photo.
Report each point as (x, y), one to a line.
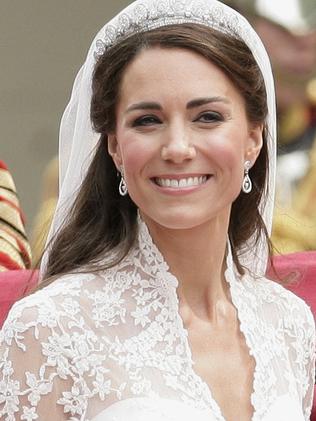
(112, 346)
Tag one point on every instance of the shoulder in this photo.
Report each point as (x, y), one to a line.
(270, 291)
(285, 322)
(45, 309)
(76, 302)
(51, 295)
(50, 325)
(274, 298)
(293, 324)
(41, 343)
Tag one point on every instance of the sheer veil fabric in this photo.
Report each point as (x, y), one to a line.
(77, 138)
(112, 346)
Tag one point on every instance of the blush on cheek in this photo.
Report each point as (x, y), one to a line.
(132, 164)
(136, 156)
(229, 161)
(226, 157)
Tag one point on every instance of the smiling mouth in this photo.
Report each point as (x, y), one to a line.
(176, 183)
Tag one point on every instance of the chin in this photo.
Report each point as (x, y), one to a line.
(177, 219)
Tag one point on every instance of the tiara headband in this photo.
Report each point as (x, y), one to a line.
(145, 16)
(78, 141)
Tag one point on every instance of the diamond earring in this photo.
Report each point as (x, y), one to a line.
(247, 184)
(122, 186)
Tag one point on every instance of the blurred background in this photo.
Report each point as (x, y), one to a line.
(43, 44)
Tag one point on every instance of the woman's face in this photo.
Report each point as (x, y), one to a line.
(182, 137)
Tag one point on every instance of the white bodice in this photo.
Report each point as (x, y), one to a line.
(144, 409)
(112, 346)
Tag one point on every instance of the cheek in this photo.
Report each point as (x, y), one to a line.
(136, 154)
(227, 153)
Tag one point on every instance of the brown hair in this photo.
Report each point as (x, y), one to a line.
(100, 219)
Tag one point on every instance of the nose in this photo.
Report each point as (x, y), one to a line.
(177, 146)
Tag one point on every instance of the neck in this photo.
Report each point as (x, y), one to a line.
(196, 256)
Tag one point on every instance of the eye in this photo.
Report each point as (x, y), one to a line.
(209, 117)
(146, 120)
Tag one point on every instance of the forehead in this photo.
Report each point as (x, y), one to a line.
(174, 72)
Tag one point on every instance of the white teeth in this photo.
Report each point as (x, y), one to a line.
(183, 182)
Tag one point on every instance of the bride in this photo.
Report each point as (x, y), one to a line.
(154, 304)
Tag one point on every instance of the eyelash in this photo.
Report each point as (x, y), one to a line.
(149, 120)
(215, 117)
(146, 120)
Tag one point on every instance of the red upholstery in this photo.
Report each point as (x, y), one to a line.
(14, 284)
(298, 271)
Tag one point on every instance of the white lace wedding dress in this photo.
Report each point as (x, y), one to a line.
(112, 347)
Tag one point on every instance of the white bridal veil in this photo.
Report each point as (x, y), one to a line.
(77, 139)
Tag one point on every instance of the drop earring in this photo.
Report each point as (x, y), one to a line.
(122, 185)
(247, 184)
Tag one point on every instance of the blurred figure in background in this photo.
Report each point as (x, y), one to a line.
(292, 48)
(15, 252)
(46, 210)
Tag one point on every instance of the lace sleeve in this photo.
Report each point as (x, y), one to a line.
(38, 377)
(309, 364)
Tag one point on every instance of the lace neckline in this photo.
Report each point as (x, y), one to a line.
(118, 335)
(170, 284)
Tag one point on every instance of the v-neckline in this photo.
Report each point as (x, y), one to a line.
(171, 282)
(212, 401)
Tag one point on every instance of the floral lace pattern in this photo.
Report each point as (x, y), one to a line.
(86, 342)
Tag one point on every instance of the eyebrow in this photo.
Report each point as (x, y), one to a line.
(144, 106)
(208, 100)
(191, 104)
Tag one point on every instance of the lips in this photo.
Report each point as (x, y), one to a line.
(183, 182)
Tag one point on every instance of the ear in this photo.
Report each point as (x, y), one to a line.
(254, 143)
(114, 151)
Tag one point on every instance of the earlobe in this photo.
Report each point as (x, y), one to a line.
(114, 150)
